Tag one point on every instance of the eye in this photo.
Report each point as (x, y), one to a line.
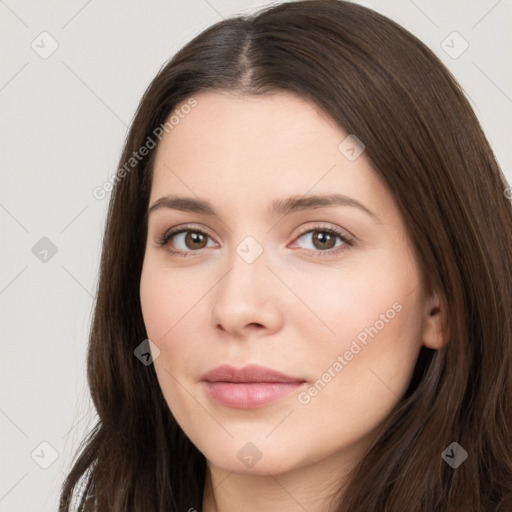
(191, 239)
(322, 240)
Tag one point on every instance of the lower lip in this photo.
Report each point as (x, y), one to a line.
(246, 395)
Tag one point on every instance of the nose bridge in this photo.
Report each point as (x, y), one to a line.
(250, 249)
(245, 295)
(248, 271)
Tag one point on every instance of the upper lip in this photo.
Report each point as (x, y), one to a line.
(250, 373)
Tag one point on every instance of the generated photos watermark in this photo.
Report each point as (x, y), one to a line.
(304, 398)
(100, 192)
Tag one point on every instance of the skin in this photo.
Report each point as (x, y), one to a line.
(292, 309)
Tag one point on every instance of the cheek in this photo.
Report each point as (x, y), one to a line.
(166, 308)
(365, 332)
(360, 375)
(174, 316)
(155, 302)
(343, 304)
(165, 297)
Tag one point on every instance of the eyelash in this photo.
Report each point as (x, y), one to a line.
(348, 242)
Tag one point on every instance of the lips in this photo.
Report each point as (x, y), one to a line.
(248, 374)
(249, 387)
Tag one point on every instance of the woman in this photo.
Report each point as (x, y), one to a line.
(304, 296)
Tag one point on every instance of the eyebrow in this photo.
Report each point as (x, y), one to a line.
(278, 207)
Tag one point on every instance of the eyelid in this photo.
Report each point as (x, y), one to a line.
(185, 227)
(319, 225)
(303, 230)
(190, 226)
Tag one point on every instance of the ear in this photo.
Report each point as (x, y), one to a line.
(434, 336)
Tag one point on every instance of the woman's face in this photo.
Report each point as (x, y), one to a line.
(262, 278)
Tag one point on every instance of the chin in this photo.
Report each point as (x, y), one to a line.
(253, 458)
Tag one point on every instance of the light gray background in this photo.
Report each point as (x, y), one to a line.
(63, 122)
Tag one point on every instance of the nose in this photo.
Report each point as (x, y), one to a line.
(246, 299)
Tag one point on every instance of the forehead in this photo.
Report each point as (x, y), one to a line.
(239, 150)
(272, 122)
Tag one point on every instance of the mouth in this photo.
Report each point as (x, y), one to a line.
(249, 387)
(243, 395)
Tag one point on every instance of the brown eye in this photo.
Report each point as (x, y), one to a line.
(323, 239)
(196, 239)
(186, 241)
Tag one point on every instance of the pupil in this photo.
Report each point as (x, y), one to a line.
(322, 238)
(194, 238)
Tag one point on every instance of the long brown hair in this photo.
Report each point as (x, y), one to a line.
(382, 84)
